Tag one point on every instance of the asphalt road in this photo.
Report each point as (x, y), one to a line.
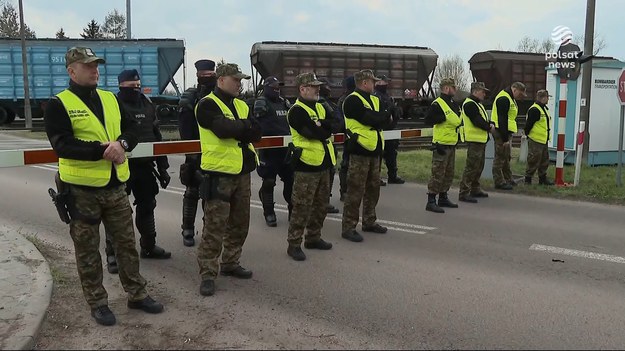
(481, 276)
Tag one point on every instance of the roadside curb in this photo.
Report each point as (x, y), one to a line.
(25, 293)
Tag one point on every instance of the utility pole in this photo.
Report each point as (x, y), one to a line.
(27, 112)
(589, 36)
(128, 34)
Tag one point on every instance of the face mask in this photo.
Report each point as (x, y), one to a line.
(381, 88)
(271, 93)
(129, 94)
(325, 91)
(207, 82)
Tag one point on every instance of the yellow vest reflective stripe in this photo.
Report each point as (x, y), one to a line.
(313, 151)
(223, 155)
(540, 129)
(446, 133)
(512, 112)
(471, 132)
(86, 126)
(367, 136)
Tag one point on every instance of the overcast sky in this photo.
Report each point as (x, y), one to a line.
(216, 29)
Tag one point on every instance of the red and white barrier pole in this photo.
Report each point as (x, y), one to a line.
(561, 134)
(578, 152)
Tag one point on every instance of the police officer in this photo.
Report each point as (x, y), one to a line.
(311, 127)
(228, 158)
(505, 110)
(444, 114)
(90, 132)
(325, 94)
(363, 124)
(270, 110)
(390, 146)
(187, 125)
(476, 128)
(349, 86)
(537, 130)
(143, 176)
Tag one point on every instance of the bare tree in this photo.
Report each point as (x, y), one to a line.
(528, 44)
(92, 31)
(114, 26)
(61, 34)
(599, 43)
(452, 67)
(10, 23)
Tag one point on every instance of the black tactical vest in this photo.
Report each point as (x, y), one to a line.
(144, 113)
(275, 122)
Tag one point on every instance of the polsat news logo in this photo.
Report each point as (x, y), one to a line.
(562, 36)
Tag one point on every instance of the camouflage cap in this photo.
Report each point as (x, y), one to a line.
(230, 69)
(308, 78)
(364, 75)
(82, 55)
(479, 86)
(447, 82)
(542, 93)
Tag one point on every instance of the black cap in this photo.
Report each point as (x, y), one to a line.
(271, 80)
(205, 65)
(128, 75)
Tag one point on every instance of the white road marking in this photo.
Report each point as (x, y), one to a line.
(578, 253)
(397, 226)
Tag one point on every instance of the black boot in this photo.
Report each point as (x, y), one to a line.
(189, 210)
(296, 253)
(147, 229)
(432, 206)
(528, 180)
(394, 179)
(443, 201)
(266, 198)
(542, 180)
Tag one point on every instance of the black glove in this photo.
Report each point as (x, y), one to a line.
(164, 178)
(326, 124)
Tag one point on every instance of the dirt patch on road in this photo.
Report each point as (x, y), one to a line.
(189, 321)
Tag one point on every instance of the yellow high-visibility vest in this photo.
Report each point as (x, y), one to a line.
(512, 111)
(471, 132)
(367, 136)
(540, 129)
(446, 133)
(86, 126)
(313, 151)
(223, 155)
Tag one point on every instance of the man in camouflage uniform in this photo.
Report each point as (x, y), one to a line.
(537, 130)
(143, 175)
(363, 123)
(228, 157)
(90, 131)
(505, 110)
(476, 128)
(444, 115)
(187, 125)
(311, 128)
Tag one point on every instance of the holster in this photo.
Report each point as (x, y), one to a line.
(188, 174)
(440, 149)
(293, 155)
(208, 187)
(352, 141)
(60, 198)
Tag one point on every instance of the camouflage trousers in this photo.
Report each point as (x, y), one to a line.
(442, 170)
(470, 183)
(311, 194)
(537, 158)
(112, 207)
(226, 224)
(363, 185)
(501, 164)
